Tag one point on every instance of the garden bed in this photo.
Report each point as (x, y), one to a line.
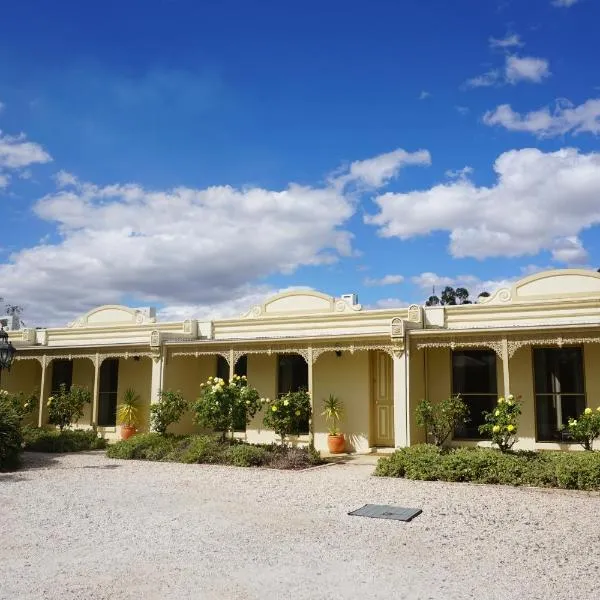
(38, 439)
(567, 470)
(207, 449)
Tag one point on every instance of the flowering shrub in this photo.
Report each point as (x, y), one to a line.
(501, 424)
(224, 406)
(288, 414)
(10, 434)
(441, 419)
(167, 410)
(23, 404)
(585, 429)
(66, 407)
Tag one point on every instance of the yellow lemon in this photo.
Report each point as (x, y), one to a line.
(274, 408)
(511, 428)
(497, 413)
(297, 413)
(496, 428)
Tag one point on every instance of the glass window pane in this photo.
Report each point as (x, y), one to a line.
(107, 400)
(474, 372)
(62, 373)
(293, 373)
(477, 406)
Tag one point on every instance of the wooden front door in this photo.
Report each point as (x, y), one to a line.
(382, 400)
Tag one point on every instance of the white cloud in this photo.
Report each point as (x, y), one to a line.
(459, 173)
(516, 69)
(463, 110)
(386, 280)
(424, 95)
(427, 281)
(475, 286)
(4, 180)
(565, 118)
(538, 198)
(388, 303)
(186, 249)
(564, 3)
(65, 179)
(570, 250)
(491, 78)
(16, 152)
(526, 68)
(509, 41)
(376, 172)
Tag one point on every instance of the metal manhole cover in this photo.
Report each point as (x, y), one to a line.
(382, 511)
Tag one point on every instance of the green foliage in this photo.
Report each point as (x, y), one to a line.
(66, 407)
(586, 428)
(441, 419)
(225, 406)
(210, 449)
(288, 414)
(38, 439)
(167, 411)
(568, 470)
(10, 435)
(333, 411)
(23, 404)
(129, 410)
(502, 424)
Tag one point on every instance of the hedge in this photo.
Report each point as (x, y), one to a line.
(52, 440)
(210, 449)
(567, 470)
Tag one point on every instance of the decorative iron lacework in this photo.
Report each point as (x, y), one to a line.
(551, 340)
(97, 359)
(304, 352)
(458, 343)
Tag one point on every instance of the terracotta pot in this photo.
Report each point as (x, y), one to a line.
(336, 443)
(127, 431)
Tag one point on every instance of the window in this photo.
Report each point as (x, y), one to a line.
(292, 376)
(241, 368)
(107, 401)
(474, 378)
(559, 390)
(62, 373)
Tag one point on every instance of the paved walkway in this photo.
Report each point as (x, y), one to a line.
(87, 527)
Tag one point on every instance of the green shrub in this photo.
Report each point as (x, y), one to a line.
(568, 470)
(210, 449)
(66, 406)
(502, 423)
(224, 406)
(23, 404)
(441, 419)
(38, 439)
(10, 436)
(167, 411)
(289, 414)
(586, 428)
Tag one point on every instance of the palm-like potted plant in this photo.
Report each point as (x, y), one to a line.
(128, 413)
(333, 410)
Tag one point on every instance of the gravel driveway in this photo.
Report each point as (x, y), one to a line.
(87, 527)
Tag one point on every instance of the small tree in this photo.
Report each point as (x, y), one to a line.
(502, 424)
(23, 404)
(288, 414)
(168, 410)
(66, 407)
(440, 420)
(222, 406)
(585, 429)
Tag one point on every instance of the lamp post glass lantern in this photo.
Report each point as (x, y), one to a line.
(7, 352)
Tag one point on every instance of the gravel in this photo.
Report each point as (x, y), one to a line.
(83, 526)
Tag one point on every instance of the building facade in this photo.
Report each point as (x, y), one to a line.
(539, 339)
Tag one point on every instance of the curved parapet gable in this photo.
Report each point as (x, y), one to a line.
(304, 302)
(561, 284)
(114, 314)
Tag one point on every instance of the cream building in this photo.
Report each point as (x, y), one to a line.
(539, 339)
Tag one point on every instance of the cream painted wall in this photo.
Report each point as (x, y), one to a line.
(439, 377)
(24, 376)
(521, 383)
(137, 375)
(186, 373)
(262, 374)
(592, 373)
(83, 375)
(417, 392)
(347, 377)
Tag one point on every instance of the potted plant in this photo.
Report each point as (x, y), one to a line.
(128, 413)
(333, 409)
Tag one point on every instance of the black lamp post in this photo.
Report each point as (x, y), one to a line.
(7, 352)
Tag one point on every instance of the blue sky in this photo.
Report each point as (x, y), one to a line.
(199, 155)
